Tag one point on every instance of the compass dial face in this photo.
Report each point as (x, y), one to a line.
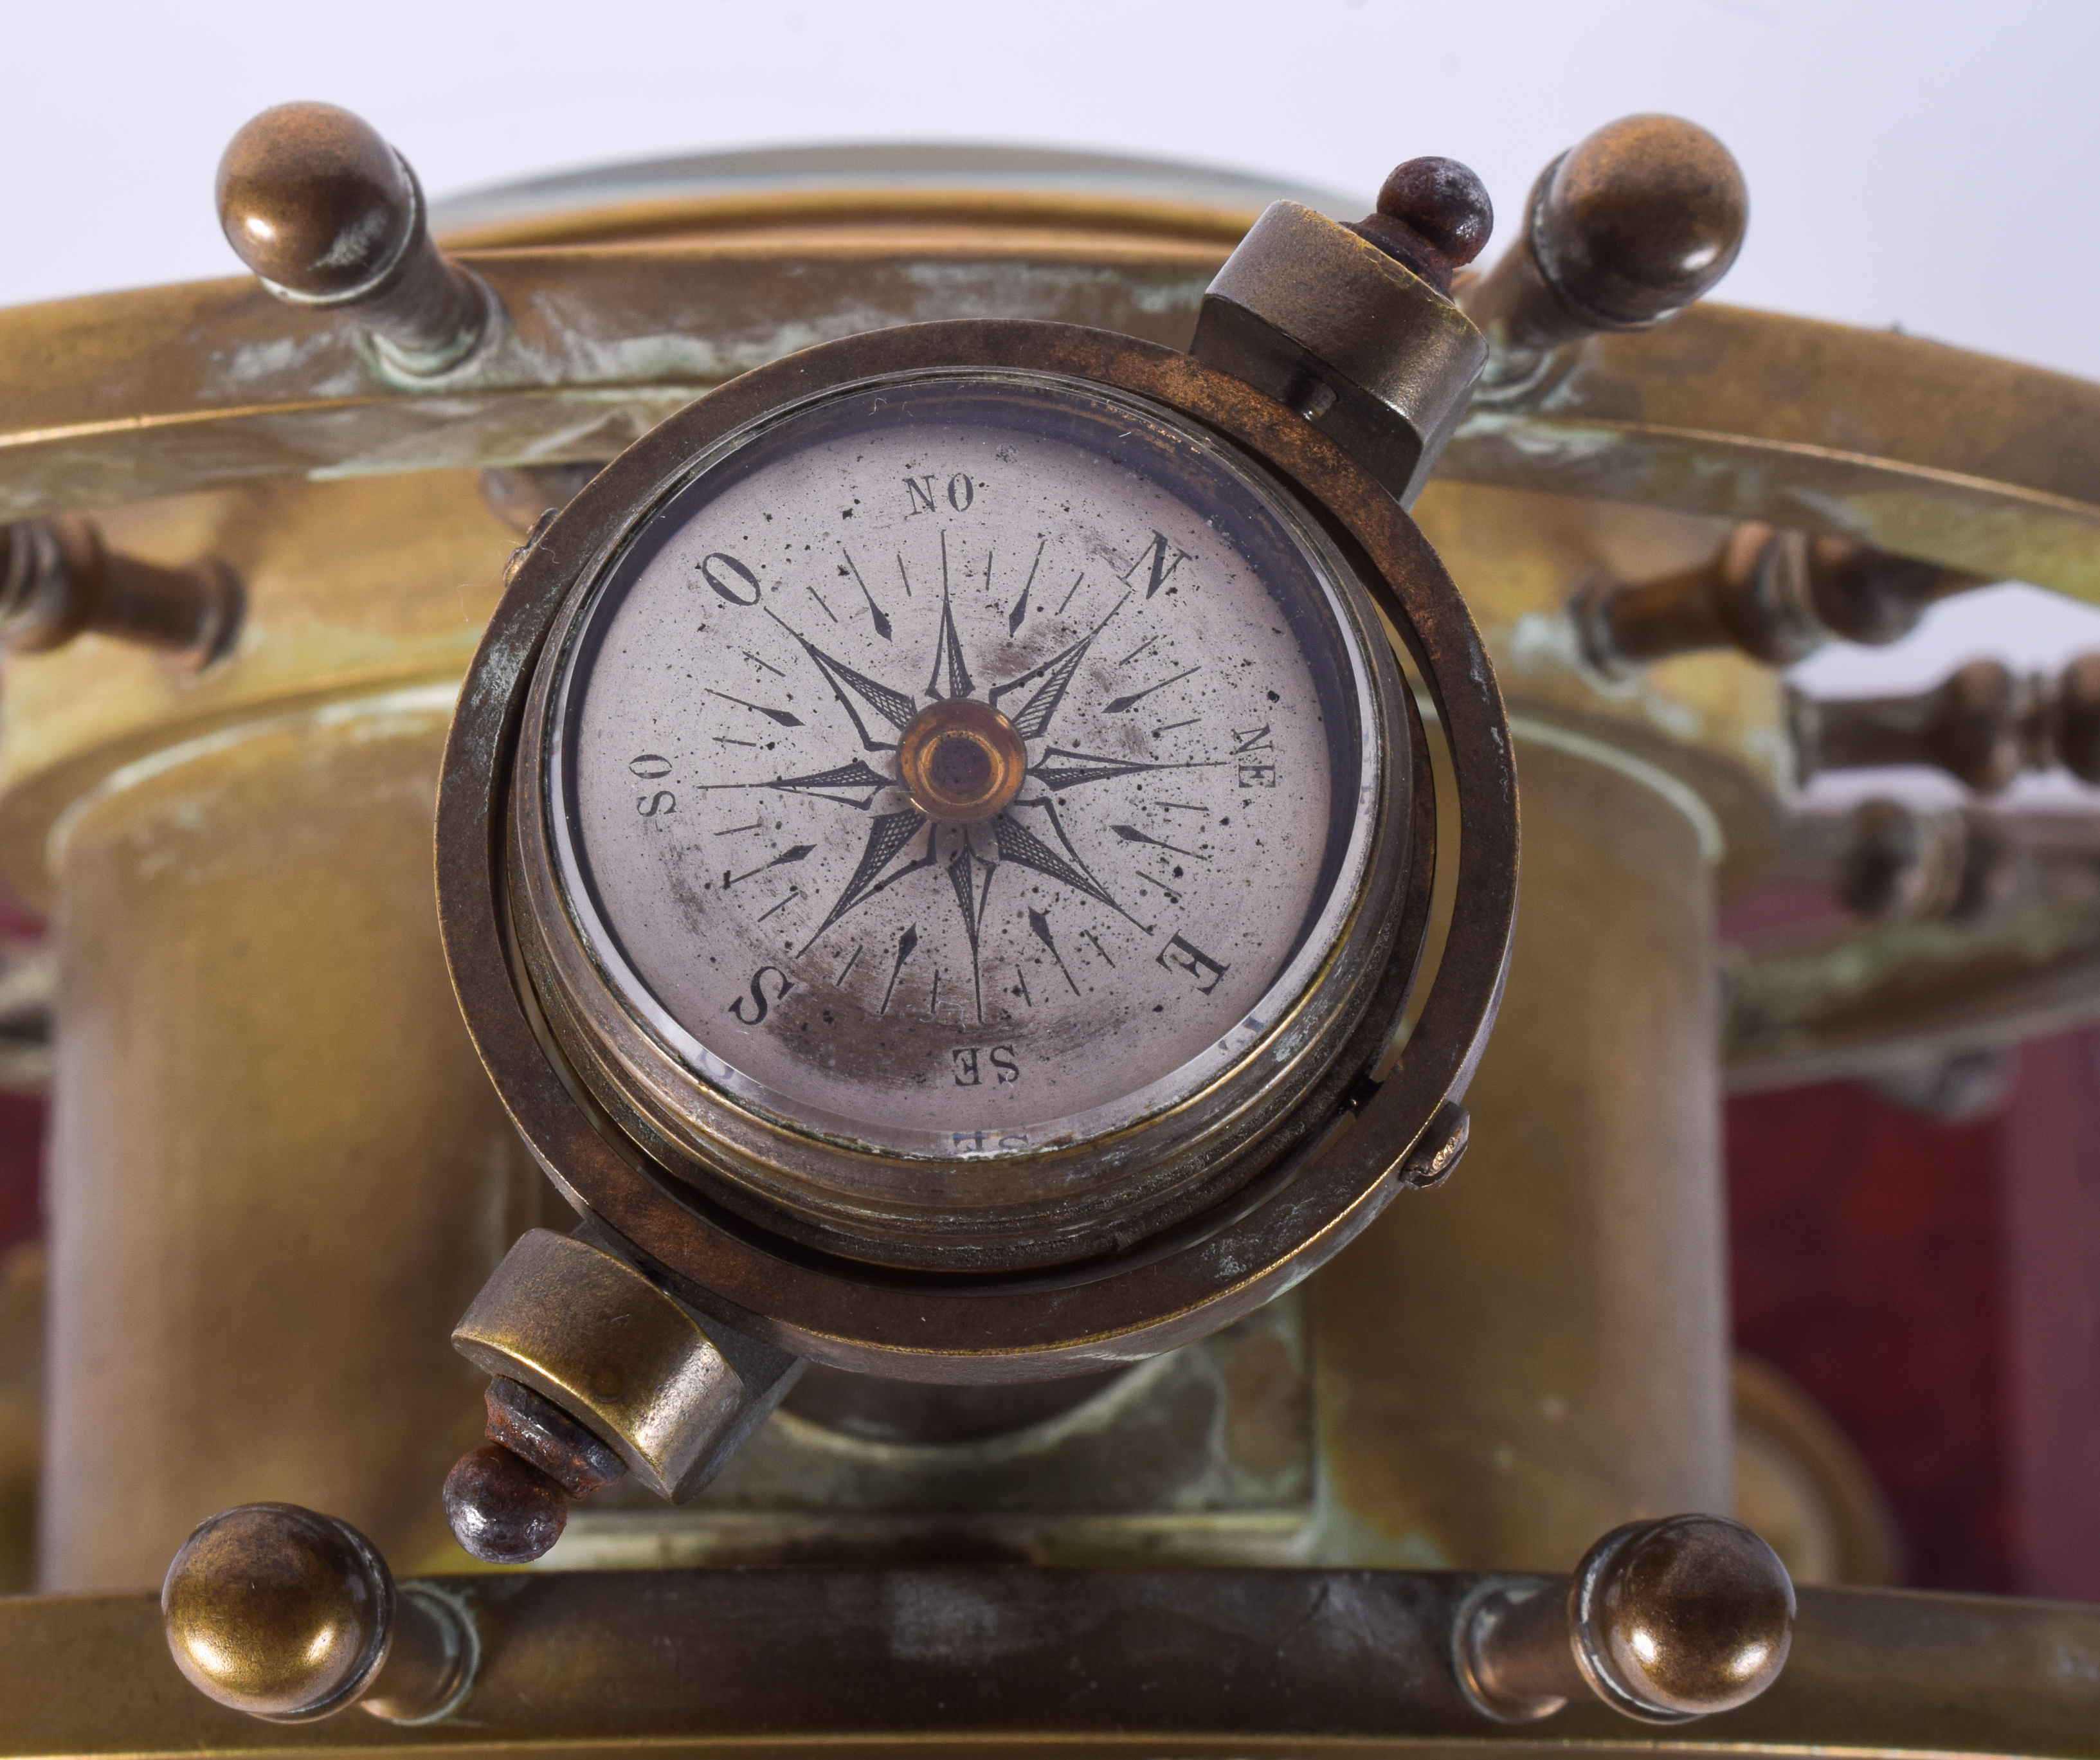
(965, 765)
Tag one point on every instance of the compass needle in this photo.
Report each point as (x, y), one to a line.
(782, 716)
(1033, 720)
(1021, 605)
(893, 706)
(971, 904)
(1119, 704)
(1038, 924)
(875, 614)
(1130, 834)
(1071, 769)
(908, 944)
(857, 774)
(948, 647)
(887, 833)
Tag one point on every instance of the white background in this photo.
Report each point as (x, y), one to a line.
(1935, 163)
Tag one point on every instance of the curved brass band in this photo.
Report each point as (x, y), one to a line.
(1925, 451)
(1204, 1661)
(1275, 1232)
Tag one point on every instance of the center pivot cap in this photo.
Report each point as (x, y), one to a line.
(961, 761)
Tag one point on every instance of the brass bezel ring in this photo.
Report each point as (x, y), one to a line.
(1170, 1289)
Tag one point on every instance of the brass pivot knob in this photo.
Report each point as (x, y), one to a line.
(1901, 863)
(1623, 231)
(1776, 595)
(291, 1615)
(1665, 1621)
(1353, 326)
(1680, 1618)
(327, 214)
(1983, 725)
(58, 579)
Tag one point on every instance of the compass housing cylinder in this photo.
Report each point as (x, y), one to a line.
(1164, 1115)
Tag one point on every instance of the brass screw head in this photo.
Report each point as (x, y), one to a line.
(1680, 1618)
(278, 1611)
(314, 201)
(962, 761)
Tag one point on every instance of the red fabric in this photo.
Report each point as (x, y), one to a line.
(2049, 1204)
(1865, 1249)
(21, 1164)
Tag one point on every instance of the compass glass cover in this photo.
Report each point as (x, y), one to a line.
(964, 765)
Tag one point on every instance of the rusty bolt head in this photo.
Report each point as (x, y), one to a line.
(503, 1509)
(1445, 204)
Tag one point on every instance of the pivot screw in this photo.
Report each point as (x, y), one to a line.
(1434, 215)
(502, 1508)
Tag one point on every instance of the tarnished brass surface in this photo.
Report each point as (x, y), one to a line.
(981, 1662)
(277, 1175)
(280, 1175)
(1203, 1455)
(1918, 449)
(1921, 450)
(1571, 1274)
(125, 395)
(1521, 556)
(353, 588)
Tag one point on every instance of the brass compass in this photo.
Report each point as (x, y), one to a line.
(936, 846)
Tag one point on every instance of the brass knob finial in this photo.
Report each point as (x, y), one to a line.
(58, 580)
(1664, 1621)
(1681, 1618)
(1623, 231)
(278, 1611)
(1634, 223)
(291, 1615)
(1983, 725)
(316, 202)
